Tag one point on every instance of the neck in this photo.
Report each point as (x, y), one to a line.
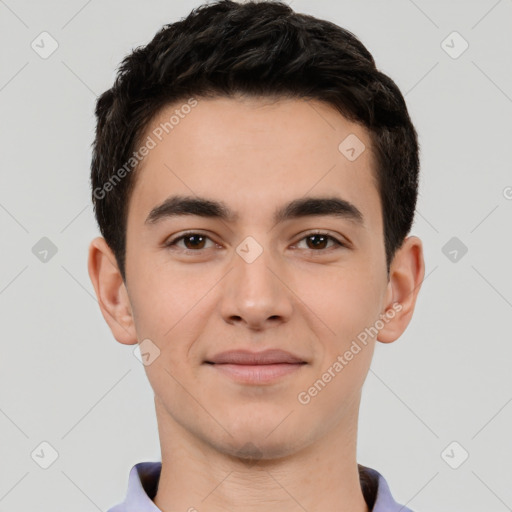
(196, 477)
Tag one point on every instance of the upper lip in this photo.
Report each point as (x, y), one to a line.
(271, 356)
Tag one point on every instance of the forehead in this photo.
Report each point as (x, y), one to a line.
(255, 154)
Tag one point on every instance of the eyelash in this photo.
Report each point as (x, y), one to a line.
(338, 243)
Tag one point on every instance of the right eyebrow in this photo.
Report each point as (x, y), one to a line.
(189, 205)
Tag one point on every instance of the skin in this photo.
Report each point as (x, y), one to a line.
(227, 445)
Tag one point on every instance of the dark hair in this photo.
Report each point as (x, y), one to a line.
(265, 49)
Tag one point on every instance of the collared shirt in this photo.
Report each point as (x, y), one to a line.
(144, 477)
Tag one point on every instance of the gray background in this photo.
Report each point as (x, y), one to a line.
(66, 381)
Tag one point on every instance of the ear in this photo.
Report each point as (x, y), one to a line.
(111, 292)
(405, 278)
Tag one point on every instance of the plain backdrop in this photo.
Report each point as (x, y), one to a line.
(442, 392)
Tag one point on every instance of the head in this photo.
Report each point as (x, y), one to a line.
(271, 138)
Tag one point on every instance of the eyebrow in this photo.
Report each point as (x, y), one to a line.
(303, 207)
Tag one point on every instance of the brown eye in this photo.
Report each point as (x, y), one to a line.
(191, 242)
(320, 241)
(317, 241)
(194, 241)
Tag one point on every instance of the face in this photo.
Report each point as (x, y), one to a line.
(254, 261)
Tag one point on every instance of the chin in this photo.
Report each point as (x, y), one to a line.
(253, 447)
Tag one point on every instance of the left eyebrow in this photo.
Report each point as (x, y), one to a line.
(303, 207)
(319, 206)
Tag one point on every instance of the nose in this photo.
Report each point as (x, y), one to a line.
(256, 294)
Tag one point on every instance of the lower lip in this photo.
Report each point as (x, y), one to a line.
(257, 374)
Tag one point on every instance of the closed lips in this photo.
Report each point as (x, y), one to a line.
(267, 357)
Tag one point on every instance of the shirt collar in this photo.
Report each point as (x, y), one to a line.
(144, 476)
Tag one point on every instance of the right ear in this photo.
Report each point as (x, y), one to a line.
(111, 291)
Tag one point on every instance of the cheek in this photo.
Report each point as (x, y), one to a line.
(171, 308)
(163, 297)
(346, 301)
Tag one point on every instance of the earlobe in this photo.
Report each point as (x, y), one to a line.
(111, 291)
(406, 276)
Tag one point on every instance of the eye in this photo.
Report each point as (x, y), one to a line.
(192, 242)
(319, 242)
(196, 242)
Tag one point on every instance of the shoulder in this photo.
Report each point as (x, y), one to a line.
(377, 493)
(142, 486)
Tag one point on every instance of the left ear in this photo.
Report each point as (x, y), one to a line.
(405, 278)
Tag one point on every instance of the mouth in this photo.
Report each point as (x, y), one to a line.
(256, 367)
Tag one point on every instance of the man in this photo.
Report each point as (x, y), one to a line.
(255, 179)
